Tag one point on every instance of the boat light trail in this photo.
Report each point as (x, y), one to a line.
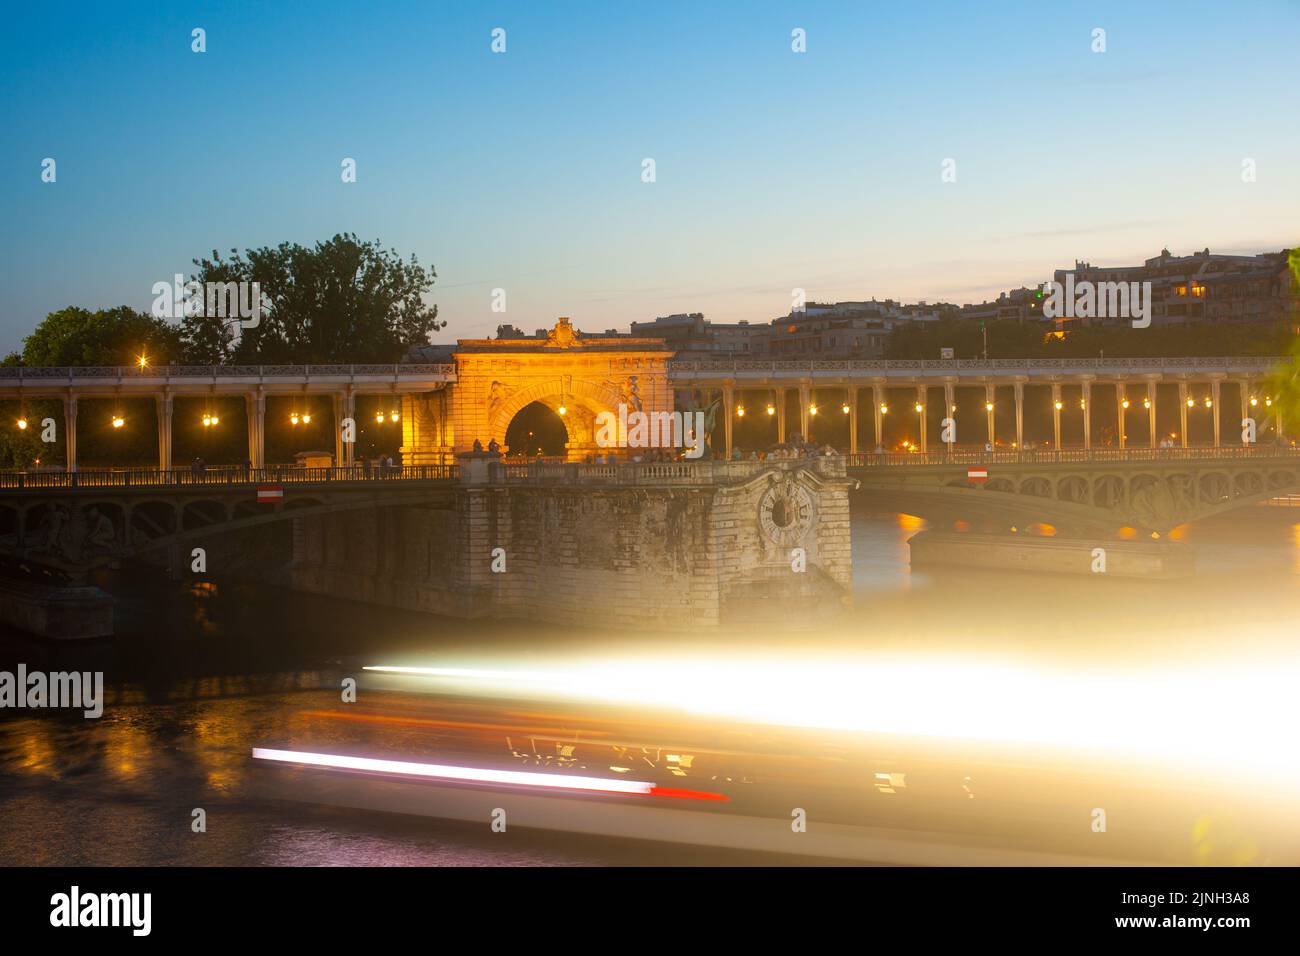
(514, 778)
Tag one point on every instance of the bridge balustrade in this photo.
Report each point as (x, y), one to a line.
(975, 456)
(219, 475)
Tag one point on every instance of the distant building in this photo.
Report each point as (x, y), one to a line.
(692, 332)
(1201, 288)
(1018, 305)
(843, 329)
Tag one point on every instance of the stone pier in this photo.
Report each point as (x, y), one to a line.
(661, 545)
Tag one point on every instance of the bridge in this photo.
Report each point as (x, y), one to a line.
(1141, 492)
(639, 537)
(446, 407)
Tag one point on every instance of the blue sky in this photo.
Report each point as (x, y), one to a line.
(522, 170)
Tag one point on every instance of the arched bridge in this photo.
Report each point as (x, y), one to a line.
(1099, 491)
(77, 521)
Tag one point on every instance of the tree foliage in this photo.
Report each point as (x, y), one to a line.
(342, 300)
(118, 336)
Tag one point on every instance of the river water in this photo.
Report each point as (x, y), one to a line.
(201, 672)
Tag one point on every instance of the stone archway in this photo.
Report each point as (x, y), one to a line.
(577, 403)
(586, 374)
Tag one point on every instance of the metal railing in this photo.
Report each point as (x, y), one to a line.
(223, 475)
(1243, 363)
(978, 456)
(165, 373)
(707, 471)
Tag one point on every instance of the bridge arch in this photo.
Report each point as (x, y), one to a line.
(582, 402)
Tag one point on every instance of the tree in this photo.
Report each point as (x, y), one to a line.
(342, 301)
(79, 337)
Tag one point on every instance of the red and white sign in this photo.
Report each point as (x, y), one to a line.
(977, 474)
(269, 493)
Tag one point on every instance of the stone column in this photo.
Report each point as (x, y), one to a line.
(350, 411)
(1120, 398)
(1243, 387)
(1151, 412)
(877, 400)
(1056, 415)
(990, 410)
(805, 399)
(1214, 410)
(70, 430)
(729, 412)
(950, 411)
(780, 416)
(921, 416)
(336, 401)
(163, 404)
(1087, 416)
(853, 419)
(1020, 416)
(255, 403)
(1182, 412)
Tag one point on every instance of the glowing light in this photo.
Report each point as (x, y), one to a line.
(845, 408)
(143, 361)
(1229, 711)
(812, 409)
(1254, 400)
(516, 778)
(771, 409)
(392, 416)
(740, 411)
(884, 409)
(22, 424)
(379, 417)
(563, 410)
(988, 406)
(1191, 402)
(1124, 403)
(306, 418)
(1059, 406)
(1209, 403)
(1146, 403)
(118, 421)
(293, 418)
(919, 408)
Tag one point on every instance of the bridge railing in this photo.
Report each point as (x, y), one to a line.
(222, 475)
(709, 471)
(129, 373)
(1242, 363)
(976, 456)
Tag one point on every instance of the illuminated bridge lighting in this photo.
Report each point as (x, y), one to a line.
(515, 778)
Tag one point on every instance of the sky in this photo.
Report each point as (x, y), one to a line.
(523, 170)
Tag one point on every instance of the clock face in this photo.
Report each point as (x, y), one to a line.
(785, 513)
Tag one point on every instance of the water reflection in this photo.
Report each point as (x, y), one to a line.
(200, 673)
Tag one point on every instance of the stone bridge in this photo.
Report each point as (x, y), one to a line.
(1148, 491)
(75, 522)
